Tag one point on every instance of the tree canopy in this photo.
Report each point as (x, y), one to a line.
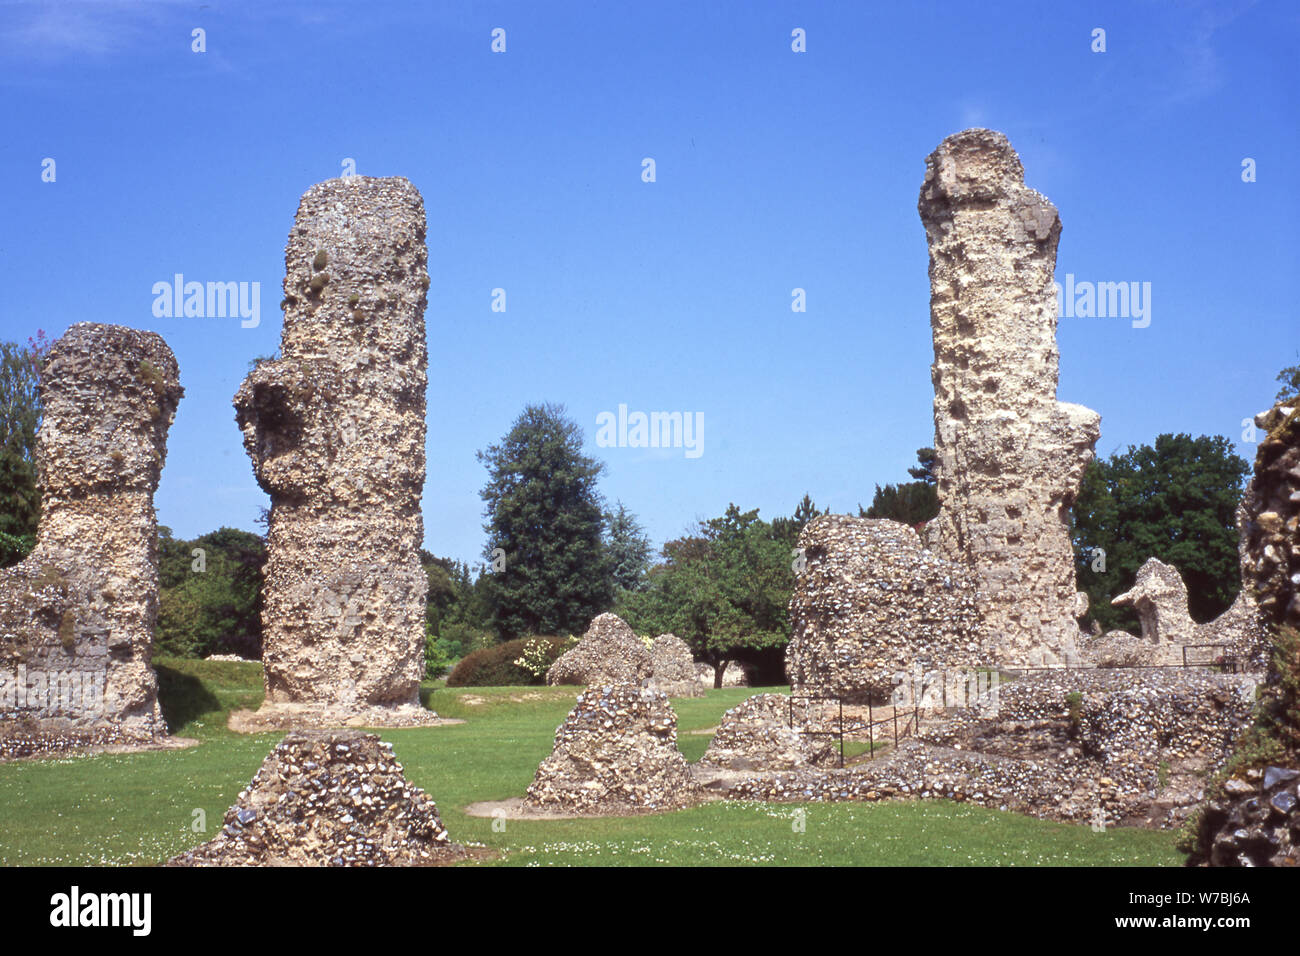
(723, 589)
(1175, 500)
(550, 570)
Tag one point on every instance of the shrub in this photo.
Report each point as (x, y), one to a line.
(439, 654)
(541, 652)
(495, 666)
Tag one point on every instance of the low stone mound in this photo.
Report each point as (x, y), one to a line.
(871, 602)
(732, 676)
(757, 735)
(609, 653)
(329, 798)
(673, 667)
(616, 752)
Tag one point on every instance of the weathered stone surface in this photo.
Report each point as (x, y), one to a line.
(616, 752)
(768, 732)
(1090, 746)
(870, 603)
(672, 667)
(329, 798)
(609, 653)
(77, 616)
(1255, 823)
(1160, 598)
(1271, 540)
(335, 428)
(1010, 455)
(732, 676)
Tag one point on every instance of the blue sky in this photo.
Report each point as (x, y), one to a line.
(775, 170)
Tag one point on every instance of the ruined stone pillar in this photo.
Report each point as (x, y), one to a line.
(336, 428)
(1010, 455)
(77, 615)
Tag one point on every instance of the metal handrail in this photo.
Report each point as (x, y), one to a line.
(820, 733)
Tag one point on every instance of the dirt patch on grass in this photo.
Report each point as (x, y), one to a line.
(515, 809)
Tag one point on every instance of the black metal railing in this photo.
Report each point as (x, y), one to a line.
(838, 733)
(1224, 662)
(912, 717)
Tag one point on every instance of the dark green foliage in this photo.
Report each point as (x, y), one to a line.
(457, 600)
(495, 666)
(911, 502)
(927, 469)
(216, 610)
(20, 417)
(1175, 501)
(1290, 379)
(787, 529)
(724, 591)
(545, 513)
(628, 549)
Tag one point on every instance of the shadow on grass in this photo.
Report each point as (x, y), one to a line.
(183, 697)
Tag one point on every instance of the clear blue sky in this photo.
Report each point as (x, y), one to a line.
(775, 170)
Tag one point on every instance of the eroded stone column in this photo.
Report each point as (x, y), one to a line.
(1010, 455)
(336, 429)
(77, 615)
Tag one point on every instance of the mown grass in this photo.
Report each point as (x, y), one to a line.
(140, 808)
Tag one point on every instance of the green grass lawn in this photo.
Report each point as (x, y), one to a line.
(141, 808)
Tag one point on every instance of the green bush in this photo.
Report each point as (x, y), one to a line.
(495, 666)
(439, 654)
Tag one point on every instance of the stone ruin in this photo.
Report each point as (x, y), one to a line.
(609, 653)
(1254, 820)
(615, 753)
(733, 675)
(1159, 597)
(1085, 746)
(767, 732)
(329, 798)
(871, 603)
(672, 667)
(1271, 547)
(335, 428)
(77, 615)
(1010, 456)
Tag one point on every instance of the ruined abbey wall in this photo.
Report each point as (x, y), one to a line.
(77, 615)
(335, 428)
(1010, 455)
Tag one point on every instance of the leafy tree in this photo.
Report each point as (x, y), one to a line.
(210, 603)
(927, 469)
(628, 549)
(724, 590)
(20, 417)
(911, 502)
(1175, 501)
(787, 529)
(546, 515)
(1290, 379)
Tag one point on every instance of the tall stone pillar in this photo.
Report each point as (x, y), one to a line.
(336, 429)
(1011, 456)
(77, 615)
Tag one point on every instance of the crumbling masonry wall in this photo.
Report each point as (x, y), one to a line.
(1010, 455)
(335, 428)
(77, 615)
